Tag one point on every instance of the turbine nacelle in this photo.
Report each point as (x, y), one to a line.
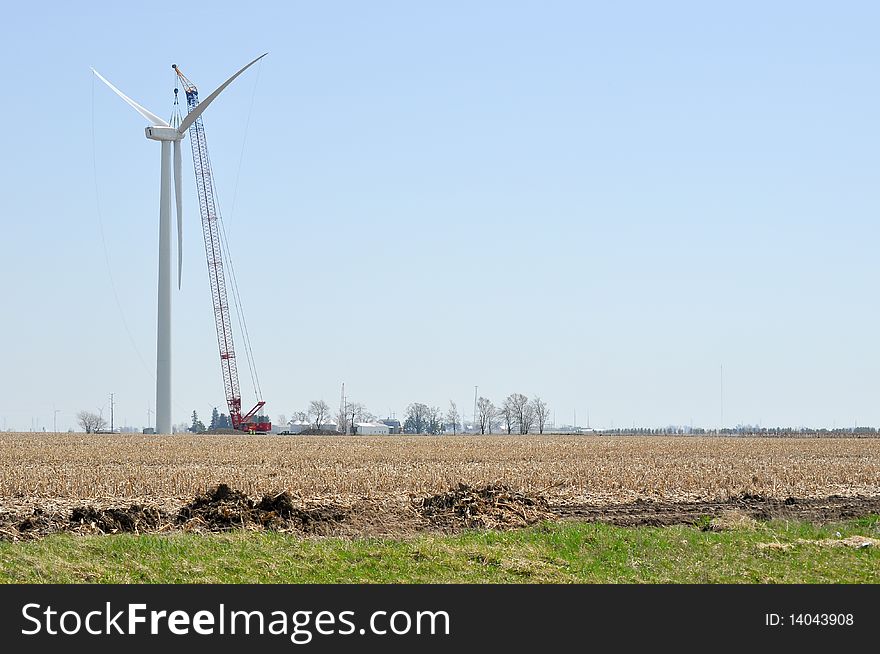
(163, 133)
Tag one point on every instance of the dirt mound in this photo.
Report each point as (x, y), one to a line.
(275, 509)
(220, 509)
(279, 506)
(487, 507)
(223, 508)
(38, 523)
(134, 519)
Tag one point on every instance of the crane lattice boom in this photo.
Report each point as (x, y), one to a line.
(214, 253)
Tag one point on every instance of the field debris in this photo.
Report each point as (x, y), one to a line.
(640, 513)
(487, 507)
(854, 542)
(223, 508)
(775, 546)
(735, 519)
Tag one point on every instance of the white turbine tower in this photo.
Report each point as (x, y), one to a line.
(160, 130)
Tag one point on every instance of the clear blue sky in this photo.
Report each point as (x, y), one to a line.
(599, 203)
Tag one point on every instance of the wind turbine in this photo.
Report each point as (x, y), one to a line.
(166, 134)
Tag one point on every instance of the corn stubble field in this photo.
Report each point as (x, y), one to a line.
(383, 484)
(612, 469)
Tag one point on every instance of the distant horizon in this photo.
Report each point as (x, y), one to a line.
(611, 425)
(553, 429)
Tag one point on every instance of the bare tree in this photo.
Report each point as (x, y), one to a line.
(302, 416)
(319, 412)
(527, 421)
(486, 413)
(90, 422)
(494, 420)
(416, 421)
(508, 414)
(519, 406)
(354, 412)
(281, 421)
(541, 413)
(453, 417)
(435, 420)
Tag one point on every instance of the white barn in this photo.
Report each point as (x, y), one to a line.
(372, 428)
(296, 426)
(299, 426)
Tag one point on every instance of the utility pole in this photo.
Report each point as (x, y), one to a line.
(111, 412)
(721, 427)
(343, 409)
(474, 420)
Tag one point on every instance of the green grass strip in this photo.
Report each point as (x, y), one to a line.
(562, 552)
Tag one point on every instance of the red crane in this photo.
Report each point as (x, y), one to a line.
(252, 421)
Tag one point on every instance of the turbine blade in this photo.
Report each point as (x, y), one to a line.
(149, 115)
(178, 196)
(190, 118)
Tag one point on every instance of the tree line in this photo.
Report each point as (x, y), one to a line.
(517, 414)
(218, 421)
(318, 415)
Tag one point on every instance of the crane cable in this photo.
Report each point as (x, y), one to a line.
(236, 297)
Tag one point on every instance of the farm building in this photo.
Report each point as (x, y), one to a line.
(393, 425)
(296, 426)
(370, 428)
(299, 426)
